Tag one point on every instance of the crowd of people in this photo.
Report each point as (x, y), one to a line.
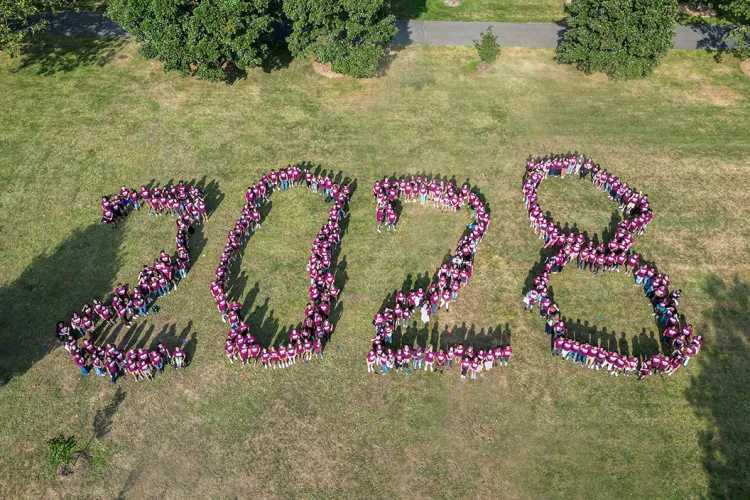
(598, 358)
(309, 340)
(450, 277)
(613, 255)
(469, 362)
(186, 203)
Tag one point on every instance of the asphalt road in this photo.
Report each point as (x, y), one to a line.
(445, 33)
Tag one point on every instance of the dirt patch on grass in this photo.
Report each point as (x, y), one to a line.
(697, 9)
(451, 3)
(324, 69)
(720, 96)
(745, 66)
(81, 463)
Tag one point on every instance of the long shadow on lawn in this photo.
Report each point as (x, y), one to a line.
(419, 334)
(644, 344)
(54, 286)
(145, 335)
(51, 288)
(50, 55)
(720, 393)
(408, 9)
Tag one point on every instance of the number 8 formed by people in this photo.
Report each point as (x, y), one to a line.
(679, 343)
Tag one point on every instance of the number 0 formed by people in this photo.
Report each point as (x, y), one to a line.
(186, 204)
(316, 328)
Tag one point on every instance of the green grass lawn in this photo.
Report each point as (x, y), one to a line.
(511, 11)
(82, 117)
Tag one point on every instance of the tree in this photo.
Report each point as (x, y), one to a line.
(487, 46)
(350, 34)
(623, 38)
(740, 35)
(207, 38)
(19, 18)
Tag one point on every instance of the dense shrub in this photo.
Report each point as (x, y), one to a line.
(623, 38)
(60, 451)
(487, 46)
(350, 34)
(740, 35)
(204, 37)
(21, 18)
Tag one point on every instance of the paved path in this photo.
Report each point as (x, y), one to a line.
(423, 32)
(83, 24)
(532, 35)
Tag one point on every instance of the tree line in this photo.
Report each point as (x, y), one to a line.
(215, 39)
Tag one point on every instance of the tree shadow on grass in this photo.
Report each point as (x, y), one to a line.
(279, 57)
(50, 289)
(408, 9)
(720, 393)
(54, 286)
(50, 55)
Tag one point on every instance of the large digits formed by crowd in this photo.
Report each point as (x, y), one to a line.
(316, 328)
(449, 279)
(186, 204)
(613, 255)
(183, 202)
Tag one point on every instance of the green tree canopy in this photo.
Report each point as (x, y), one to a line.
(740, 35)
(19, 18)
(205, 37)
(623, 38)
(350, 34)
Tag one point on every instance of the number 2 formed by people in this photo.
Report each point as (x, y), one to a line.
(449, 279)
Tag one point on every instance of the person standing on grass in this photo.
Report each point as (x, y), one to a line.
(429, 359)
(379, 216)
(557, 349)
(164, 352)
(370, 358)
(474, 366)
(529, 300)
(465, 366)
(132, 367)
(145, 368)
(449, 356)
(507, 352)
(489, 360)
(425, 316)
(229, 349)
(156, 360)
(441, 358)
(81, 363)
(391, 218)
(112, 368)
(391, 359)
(318, 348)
